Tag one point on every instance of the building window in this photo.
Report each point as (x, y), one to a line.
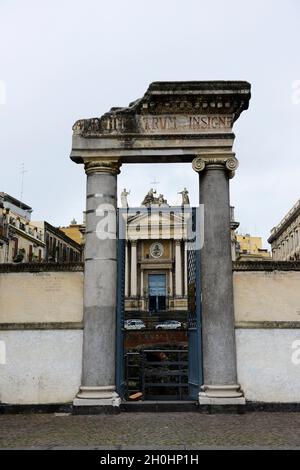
(30, 254)
(50, 245)
(54, 250)
(15, 247)
(64, 253)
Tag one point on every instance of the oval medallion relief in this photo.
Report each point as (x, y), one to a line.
(156, 250)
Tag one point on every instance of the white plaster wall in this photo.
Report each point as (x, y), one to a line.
(266, 296)
(42, 366)
(41, 297)
(266, 371)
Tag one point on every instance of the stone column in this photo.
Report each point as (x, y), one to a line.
(100, 277)
(297, 243)
(178, 268)
(170, 283)
(218, 334)
(185, 268)
(126, 269)
(141, 290)
(133, 287)
(142, 283)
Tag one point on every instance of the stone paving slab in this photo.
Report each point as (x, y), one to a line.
(172, 431)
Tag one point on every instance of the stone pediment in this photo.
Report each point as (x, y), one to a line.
(173, 108)
(158, 224)
(158, 218)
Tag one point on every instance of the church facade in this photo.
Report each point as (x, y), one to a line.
(157, 242)
(156, 256)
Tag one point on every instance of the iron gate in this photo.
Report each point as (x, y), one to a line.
(120, 314)
(194, 308)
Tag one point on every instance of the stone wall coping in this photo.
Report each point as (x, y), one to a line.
(41, 326)
(259, 324)
(266, 266)
(40, 267)
(265, 324)
(79, 266)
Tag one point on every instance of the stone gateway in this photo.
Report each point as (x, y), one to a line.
(188, 122)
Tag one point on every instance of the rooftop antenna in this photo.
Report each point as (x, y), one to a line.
(22, 172)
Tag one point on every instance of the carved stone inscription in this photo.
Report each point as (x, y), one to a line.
(184, 123)
(155, 124)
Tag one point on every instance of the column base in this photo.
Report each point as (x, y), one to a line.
(221, 395)
(97, 396)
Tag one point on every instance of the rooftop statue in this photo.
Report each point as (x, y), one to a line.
(150, 199)
(124, 195)
(185, 197)
(161, 200)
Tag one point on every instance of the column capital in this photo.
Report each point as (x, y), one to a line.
(210, 162)
(111, 166)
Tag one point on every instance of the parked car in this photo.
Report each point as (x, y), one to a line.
(134, 324)
(169, 325)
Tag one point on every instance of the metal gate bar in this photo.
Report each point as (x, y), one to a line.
(153, 376)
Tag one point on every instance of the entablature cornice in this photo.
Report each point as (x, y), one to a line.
(292, 218)
(171, 115)
(173, 107)
(286, 234)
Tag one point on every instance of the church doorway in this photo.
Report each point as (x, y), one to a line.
(157, 292)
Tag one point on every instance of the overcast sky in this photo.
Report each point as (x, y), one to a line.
(62, 60)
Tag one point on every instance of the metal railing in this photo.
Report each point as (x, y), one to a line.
(159, 374)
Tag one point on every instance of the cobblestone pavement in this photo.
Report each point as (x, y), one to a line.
(151, 430)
